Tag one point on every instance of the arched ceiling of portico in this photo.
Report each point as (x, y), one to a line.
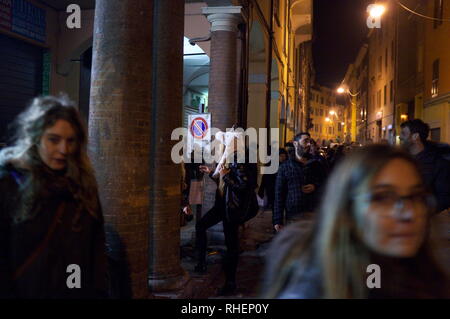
(196, 25)
(301, 17)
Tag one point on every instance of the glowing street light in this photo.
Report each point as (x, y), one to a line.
(341, 90)
(327, 119)
(376, 11)
(332, 112)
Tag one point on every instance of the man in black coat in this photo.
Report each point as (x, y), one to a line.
(434, 167)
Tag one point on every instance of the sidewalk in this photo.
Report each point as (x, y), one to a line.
(255, 238)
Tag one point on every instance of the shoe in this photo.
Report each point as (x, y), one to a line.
(227, 290)
(200, 268)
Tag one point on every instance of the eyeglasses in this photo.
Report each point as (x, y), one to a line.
(388, 200)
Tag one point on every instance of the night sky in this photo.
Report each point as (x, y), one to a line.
(339, 31)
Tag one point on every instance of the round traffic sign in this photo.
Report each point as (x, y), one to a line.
(199, 128)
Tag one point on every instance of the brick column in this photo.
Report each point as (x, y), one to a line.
(165, 272)
(119, 135)
(223, 79)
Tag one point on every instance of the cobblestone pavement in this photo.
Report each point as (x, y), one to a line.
(255, 237)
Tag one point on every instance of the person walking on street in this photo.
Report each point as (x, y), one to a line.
(377, 219)
(50, 213)
(292, 184)
(235, 193)
(434, 168)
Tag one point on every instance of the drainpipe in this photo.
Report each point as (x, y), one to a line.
(269, 73)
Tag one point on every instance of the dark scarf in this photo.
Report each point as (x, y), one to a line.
(50, 188)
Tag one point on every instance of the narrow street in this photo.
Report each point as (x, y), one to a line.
(122, 119)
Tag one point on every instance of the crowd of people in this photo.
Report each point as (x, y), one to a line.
(336, 211)
(353, 207)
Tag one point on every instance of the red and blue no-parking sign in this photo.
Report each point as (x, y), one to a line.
(199, 128)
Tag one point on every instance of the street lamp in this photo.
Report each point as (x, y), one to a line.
(377, 10)
(342, 90)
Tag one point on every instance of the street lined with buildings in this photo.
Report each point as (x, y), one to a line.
(138, 70)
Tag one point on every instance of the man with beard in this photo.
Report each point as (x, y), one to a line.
(297, 180)
(435, 169)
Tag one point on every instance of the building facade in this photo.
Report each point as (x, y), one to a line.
(407, 66)
(355, 94)
(328, 117)
(436, 71)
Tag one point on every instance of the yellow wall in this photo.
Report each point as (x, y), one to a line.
(438, 116)
(436, 111)
(379, 41)
(283, 52)
(437, 44)
(323, 126)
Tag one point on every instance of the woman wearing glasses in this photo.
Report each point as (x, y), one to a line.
(375, 211)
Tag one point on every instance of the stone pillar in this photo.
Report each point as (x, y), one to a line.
(165, 271)
(119, 135)
(223, 80)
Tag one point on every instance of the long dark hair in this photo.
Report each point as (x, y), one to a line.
(78, 178)
(335, 242)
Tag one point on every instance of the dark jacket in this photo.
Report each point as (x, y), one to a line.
(314, 174)
(81, 243)
(239, 190)
(292, 175)
(436, 173)
(268, 187)
(325, 167)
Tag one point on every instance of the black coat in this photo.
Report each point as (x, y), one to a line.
(314, 173)
(239, 190)
(81, 243)
(436, 173)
